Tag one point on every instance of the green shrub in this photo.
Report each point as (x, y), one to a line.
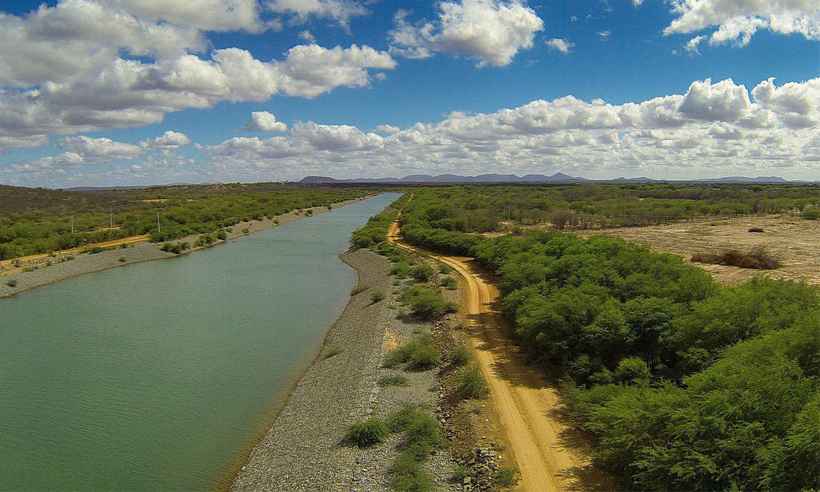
(365, 434)
(422, 272)
(419, 354)
(506, 477)
(12, 283)
(460, 355)
(470, 383)
(757, 259)
(376, 296)
(426, 303)
(407, 475)
(449, 283)
(811, 213)
(122, 259)
(392, 380)
(632, 370)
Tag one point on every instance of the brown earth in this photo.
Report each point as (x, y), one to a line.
(793, 241)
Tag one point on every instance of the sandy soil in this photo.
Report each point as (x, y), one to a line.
(794, 241)
(525, 404)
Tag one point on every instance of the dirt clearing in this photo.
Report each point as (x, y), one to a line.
(793, 241)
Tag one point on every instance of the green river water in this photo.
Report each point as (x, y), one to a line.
(157, 376)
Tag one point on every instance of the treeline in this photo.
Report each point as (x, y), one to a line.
(375, 230)
(40, 221)
(590, 206)
(683, 384)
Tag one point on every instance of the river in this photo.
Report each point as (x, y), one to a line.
(157, 376)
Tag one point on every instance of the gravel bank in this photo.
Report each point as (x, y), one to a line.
(302, 451)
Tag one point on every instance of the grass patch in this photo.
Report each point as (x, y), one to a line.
(418, 354)
(426, 303)
(757, 259)
(470, 383)
(506, 477)
(422, 435)
(460, 355)
(392, 380)
(449, 283)
(366, 434)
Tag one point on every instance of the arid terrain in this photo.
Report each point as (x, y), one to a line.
(792, 240)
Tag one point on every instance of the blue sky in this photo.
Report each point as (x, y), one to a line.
(618, 52)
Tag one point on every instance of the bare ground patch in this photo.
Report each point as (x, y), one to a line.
(793, 241)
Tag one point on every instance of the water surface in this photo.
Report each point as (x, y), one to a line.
(156, 376)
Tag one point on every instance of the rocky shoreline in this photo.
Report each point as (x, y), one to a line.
(302, 450)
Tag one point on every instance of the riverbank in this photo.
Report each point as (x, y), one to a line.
(14, 281)
(301, 451)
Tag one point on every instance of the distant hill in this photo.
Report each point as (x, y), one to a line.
(557, 178)
(451, 178)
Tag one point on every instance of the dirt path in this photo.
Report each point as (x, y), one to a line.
(524, 403)
(8, 265)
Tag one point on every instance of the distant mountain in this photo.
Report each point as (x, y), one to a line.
(557, 178)
(450, 178)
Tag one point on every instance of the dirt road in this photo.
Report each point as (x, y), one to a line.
(8, 265)
(524, 403)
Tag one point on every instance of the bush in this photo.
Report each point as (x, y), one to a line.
(506, 477)
(422, 272)
(419, 354)
(757, 259)
(122, 259)
(393, 380)
(470, 383)
(426, 303)
(376, 297)
(422, 435)
(811, 213)
(365, 434)
(460, 355)
(12, 283)
(632, 370)
(756, 229)
(449, 283)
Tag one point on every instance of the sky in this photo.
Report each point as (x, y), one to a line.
(138, 92)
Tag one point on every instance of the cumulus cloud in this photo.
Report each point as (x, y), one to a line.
(340, 11)
(489, 31)
(169, 140)
(737, 20)
(560, 45)
(95, 149)
(263, 121)
(712, 129)
(604, 35)
(133, 93)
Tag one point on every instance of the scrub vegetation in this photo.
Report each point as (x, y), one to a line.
(36, 221)
(683, 384)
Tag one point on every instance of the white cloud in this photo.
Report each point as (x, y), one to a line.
(263, 121)
(95, 149)
(169, 140)
(490, 31)
(713, 129)
(604, 35)
(129, 93)
(207, 15)
(561, 45)
(339, 10)
(307, 36)
(693, 44)
(738, 20)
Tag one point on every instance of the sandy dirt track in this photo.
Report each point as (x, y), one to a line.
(525, 404)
